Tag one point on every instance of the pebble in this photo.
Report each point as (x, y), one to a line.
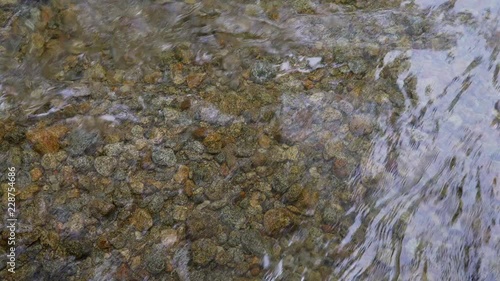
(276, 220)
(46, 140)
(105, 165)
(141, 220)
(164, 157)
(360, 125)
(36, 174)
(203, 251)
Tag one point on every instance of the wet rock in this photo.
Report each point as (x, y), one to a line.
(333, 148)
(156, 260)
(201, 224)
(251, 240)
(341, 167)
(82, 164)
(80, 140)
(101, 208)
(332, 214)
(293, 193)
(194, 80)
(8, 2)
(46, 140)
(262, 72)
(113, 149)
(331, 114)
(280, 182)
(277, 220)
(49, 161)
(213, 143)
(232, 217)
(141, 220)
(180, 213)
(360, 125)
(77, 247)
(346, 107)
(36, 174)
(164, 157)
(105, 165)
(182, 174)
(203, 251)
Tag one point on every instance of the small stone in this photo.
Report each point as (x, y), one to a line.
(262, 72)
(36, 174)
(276, 220)
(180, 213)
(332, 214)
(156, 260)
(293, 193)
(182, 174)
(264, 141)
(49, 161)
(79, 140)
(200, 133)
(213, 143)
(308, 84)
(47, 140)
(333, 149)
(113, 149)
(331, 114)
(28, 192)
(292, 153)
(203, 251)
(360, 125)
(105, 165)
(153, 78)
(346, 107)
(101, 207)
(252, 242)
(164, 157)
(185, 104)
(176, 74)
(141, 220)
(341, 168)
(194, 80)
(8, 2)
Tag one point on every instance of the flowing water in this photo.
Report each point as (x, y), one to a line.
(253, 140)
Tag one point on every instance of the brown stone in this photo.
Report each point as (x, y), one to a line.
(36, 174)
(200, 133)
(276, 220)
(194, 80)
(213, 143)
(189, 188)
(360, 125)
(141, 220)
(153, 78)
(264, 141)
(185, 104)
(46, 140)
(28, 192)
(307, 199)
(341, 168)
(182, 174)
(308, 84)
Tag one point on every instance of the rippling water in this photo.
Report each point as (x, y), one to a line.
(420, 199)
(436, 216)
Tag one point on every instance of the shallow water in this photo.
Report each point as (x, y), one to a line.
(319, 141)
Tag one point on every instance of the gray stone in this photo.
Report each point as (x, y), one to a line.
(164, 157)
(203, 251)
(79, 140)
(105, 165)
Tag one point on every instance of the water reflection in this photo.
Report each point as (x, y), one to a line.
(435, 216)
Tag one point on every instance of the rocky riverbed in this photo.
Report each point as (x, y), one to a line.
(197, 140)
